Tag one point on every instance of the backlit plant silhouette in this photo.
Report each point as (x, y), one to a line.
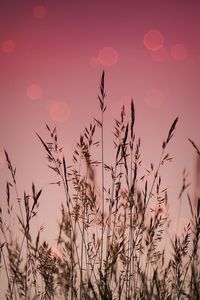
(112, 227)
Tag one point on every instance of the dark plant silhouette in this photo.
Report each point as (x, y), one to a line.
(109, 243)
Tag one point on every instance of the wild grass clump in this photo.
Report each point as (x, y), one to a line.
(112, 231)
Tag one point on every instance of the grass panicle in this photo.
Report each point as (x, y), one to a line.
(113, 228)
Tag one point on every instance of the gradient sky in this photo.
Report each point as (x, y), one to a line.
(52, 54)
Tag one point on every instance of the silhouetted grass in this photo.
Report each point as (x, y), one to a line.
(110, 235)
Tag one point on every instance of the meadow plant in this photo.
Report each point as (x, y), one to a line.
(110, 234)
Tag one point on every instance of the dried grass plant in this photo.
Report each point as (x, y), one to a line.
(109, 238)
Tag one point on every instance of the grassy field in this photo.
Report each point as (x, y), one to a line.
(112, 234)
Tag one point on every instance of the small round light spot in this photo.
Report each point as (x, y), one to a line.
(154, 98)
(59, 111)
(153, 40)
(108, 56)
(8, 46)
(34, 92)
(179, 52)
(39, 11)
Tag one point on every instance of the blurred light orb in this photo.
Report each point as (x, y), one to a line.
(153, 40)
(59, 111)
(160, 55)
(94, 62)
(8, 46)
(179, 52)
(34, 92)
(108, 56)
(39, 11)
(154, 98)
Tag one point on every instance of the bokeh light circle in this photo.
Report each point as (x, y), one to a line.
(160, 55)
(8, 46)
(34, 92)
(179, 52)
(59, 111)
(39, 11)
(108, 56)
(154, 98)
(153, 40)
(94, 62)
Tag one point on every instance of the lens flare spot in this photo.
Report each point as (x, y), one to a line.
(8, 46)
(2, 161)
(94, 62)
(153, 40)
(39, 11)
(154, 98)
(108, 56)
(160, 55)
(34, 92)
(59, 111)
(179, 52)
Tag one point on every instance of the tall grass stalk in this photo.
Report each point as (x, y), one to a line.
(112, 232)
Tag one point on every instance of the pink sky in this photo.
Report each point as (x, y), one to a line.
(52, 54)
